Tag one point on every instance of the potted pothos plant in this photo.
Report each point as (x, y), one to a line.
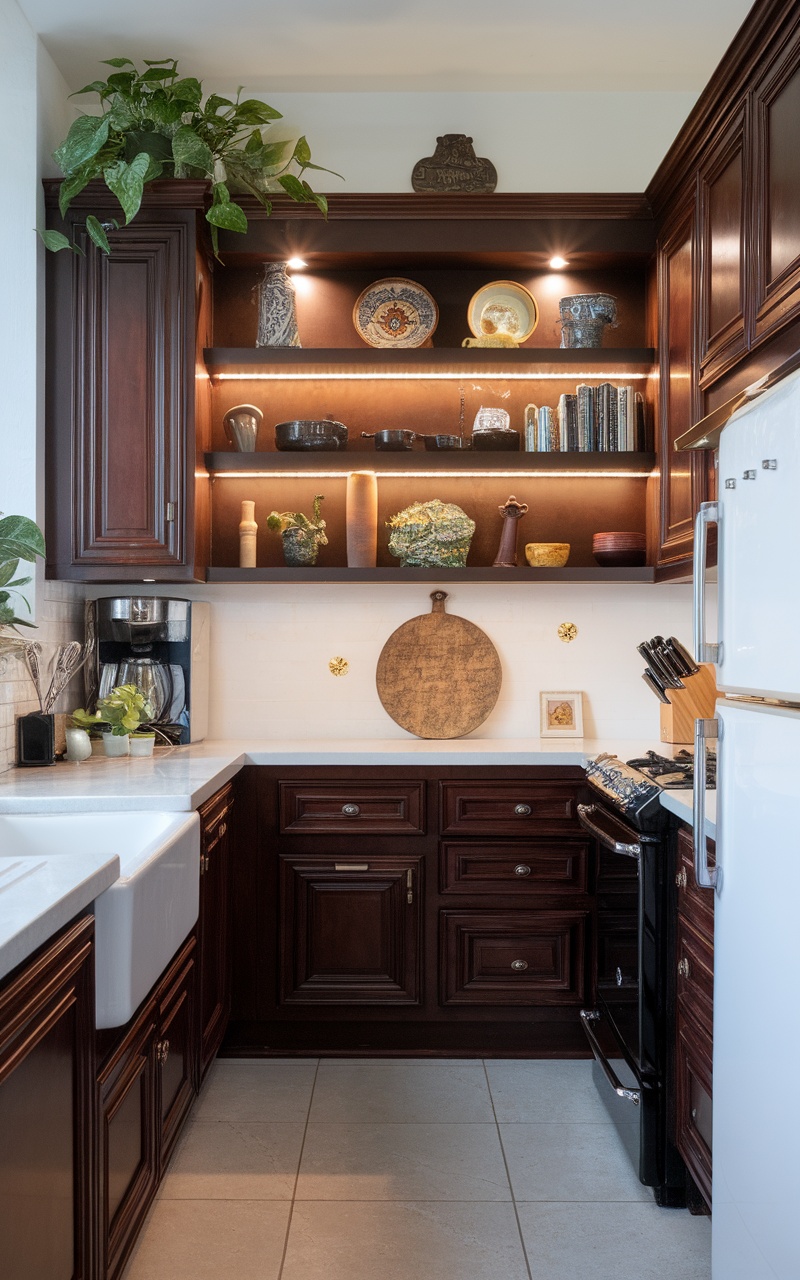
(20, 539)
(302, 537)
(119, 716)
(155, 123)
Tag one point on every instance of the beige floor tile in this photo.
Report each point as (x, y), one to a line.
(404, 1242)
(401, 1091)
(402, 1162)
(235, 1160)
(266, 1090)
(211, 1239)
(607, 1241)
(544, 1092)
(569, 1162)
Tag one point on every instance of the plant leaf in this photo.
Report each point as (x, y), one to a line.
(97, 234)
(72, 185)
(53, 240)
(294, 188)
(20, 539)
(116, 62)
(127, 183)
(154, 74)
(252, 111)
(189, 149)
(213, 104)
(157, 145)
(302, 152)
(121, 113)
(160, 62)
(7, 571)
(229, 215)
(122, 81)
(188, 89)
(220, 193)
(85, 138)
(97, 86)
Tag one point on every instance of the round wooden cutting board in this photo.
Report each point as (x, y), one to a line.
(438, 675)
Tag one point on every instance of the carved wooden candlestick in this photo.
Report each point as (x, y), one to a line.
(512, 513)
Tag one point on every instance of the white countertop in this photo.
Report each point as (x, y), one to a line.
(680, 803)
(181, 778)
(39, 895)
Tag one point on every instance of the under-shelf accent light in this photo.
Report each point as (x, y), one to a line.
(436, 475)
(568, 375)
(557, 263)
(296, 264)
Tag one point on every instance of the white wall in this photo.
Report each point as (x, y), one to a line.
(537, 141)
(270, 649)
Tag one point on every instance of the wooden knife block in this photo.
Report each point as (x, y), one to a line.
(695, 702)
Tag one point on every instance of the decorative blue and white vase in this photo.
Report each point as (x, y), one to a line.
(277, 314)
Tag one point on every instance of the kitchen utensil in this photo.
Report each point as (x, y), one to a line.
(503, 307)
(69, 661)
(395, 313)
(681, 655)
(442, 442)
(31, 650)
(438, 675)
(651, 656)
(241, 425)
(547, 555)
(654, 683)
(322, 434)
(393, 441)
(665, 657)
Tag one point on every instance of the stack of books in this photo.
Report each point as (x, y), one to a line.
(605, 419)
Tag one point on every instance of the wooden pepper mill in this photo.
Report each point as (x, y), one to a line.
(512, 513)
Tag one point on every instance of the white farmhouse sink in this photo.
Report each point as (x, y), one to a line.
(142, 919)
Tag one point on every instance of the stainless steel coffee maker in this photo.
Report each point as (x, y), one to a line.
(161, 645)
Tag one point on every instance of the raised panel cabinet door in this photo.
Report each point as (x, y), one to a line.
(128, 1141)
(776, 194)
(47, 1126)
(722, 200)
(513, 957)
(214, 928)
(693, 1101)
(176, 1049)
(350, 929)
(682, 475)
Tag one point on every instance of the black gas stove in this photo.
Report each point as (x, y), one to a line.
(675, 773)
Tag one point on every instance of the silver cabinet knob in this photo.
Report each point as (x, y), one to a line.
(351, 810)
(680, 878)
(683, 967)
(162, 1051)
(522, 810)
(519, 965)
(522, 870)
(223, 827)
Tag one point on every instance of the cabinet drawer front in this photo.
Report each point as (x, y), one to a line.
(512, 957)
(350, 930)
(389, 808)
(508, 808)
(694, 904)
(693, 1103)
(512, 867)
(695, 964)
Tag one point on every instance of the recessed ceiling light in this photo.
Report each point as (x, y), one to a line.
(558, 263)
(297, 264)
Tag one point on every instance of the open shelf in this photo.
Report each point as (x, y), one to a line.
(437, 462)
(421, 362)
(390, 573)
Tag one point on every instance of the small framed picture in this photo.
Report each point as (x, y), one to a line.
(561, 715)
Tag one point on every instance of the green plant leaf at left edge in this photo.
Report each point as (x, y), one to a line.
(20, 539)
(86, 136)
(189, 149)
(97, 234)
(53, 240)
(127, 182)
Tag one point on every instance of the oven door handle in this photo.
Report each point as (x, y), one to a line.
(588, 1016)
(586, 817)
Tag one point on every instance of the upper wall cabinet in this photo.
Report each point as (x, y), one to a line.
(722, 185)
(124, 418)
(776, 120)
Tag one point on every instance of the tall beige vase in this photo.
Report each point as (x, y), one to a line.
(362, 519)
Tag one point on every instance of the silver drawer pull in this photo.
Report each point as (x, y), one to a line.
(522, 810)
(519, 965)
(683, 967)
(680, 878)
(223, 827)
(351, 866)
(522, 870)
(351, 810)
(162, 1051)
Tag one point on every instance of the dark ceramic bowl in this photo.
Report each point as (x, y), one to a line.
(432, 443)
(394, 441)
(321, 434)
(502, 438)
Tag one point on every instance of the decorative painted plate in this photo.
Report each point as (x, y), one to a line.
(503, 307)
(395, 313)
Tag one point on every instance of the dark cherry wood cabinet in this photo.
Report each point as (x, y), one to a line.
(214, 942)
(694, 1015)
(147, 1082)
(126, 416)
(518, 957)
(47, 1121)
(722, 284)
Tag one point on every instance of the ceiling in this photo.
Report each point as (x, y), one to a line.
(374, 46)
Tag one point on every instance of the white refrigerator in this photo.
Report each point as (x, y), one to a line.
(755, 644)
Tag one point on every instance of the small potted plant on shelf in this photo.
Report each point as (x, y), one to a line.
(301, 537)
(119, 718)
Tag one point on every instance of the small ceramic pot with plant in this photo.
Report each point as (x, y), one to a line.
(142, 742)
(118, 715)
(301, 537)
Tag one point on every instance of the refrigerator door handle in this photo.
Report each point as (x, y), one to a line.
(705, 876)
(703, 650)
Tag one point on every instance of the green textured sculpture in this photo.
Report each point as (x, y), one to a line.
(431, 535)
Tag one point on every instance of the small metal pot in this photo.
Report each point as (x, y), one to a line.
(322, 434)
(433, 443)
(392, 440)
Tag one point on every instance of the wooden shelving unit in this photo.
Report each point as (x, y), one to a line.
(388, 573)
(258, 362)
(413, 461)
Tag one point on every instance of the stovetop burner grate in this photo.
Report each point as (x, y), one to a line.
(675, 773)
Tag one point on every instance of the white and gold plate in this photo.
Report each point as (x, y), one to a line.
(395, 313)
(503, 307)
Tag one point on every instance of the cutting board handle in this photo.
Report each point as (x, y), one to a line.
(438, 598)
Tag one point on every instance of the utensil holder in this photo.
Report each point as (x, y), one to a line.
(36, 740)
(695, 702)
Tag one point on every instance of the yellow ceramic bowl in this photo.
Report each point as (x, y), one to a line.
(547, 555)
